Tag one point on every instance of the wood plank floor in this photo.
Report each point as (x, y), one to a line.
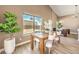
(67, 46)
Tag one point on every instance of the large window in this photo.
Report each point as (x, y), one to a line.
(31, 23)
(27, 24)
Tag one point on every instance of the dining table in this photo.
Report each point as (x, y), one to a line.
(41, 37)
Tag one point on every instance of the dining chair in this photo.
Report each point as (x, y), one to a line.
(57, 38)
(50, 42)
(53, 39)
(36, 40)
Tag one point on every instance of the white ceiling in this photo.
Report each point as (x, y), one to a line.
(63, 10)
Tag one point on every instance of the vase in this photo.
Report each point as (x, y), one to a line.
(9, 45)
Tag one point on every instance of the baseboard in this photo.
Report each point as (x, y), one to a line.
(22, 43)
(19, 44)
(73, 33)
(1, 50)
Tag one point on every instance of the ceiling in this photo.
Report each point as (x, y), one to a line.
(63, 10)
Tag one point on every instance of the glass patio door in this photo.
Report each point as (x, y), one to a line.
(31, 24)
(37, 23)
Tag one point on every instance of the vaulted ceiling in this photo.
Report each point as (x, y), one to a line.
(63, 10)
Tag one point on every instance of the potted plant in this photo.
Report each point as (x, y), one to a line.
(10, 27)
(58, 25)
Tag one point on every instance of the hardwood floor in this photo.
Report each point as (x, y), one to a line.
(75, 36)
(67, 46)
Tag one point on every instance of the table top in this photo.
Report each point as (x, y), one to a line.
(40, 35)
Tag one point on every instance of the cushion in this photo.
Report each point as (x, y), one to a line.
(49, 43)
(56, 38)
(58, 32)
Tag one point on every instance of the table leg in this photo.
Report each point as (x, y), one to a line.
(42, 46)
(32, 42)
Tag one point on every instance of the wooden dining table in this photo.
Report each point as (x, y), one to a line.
(42, 38)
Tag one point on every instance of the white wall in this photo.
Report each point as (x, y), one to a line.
(70, 22)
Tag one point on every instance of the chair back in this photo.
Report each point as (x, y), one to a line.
(58, 32)
(52, 37)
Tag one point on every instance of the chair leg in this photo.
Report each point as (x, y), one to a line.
(36, 44)
(49, 50)
(59, 40)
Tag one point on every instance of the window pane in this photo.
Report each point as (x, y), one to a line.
(28, 24)
(38, 23)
